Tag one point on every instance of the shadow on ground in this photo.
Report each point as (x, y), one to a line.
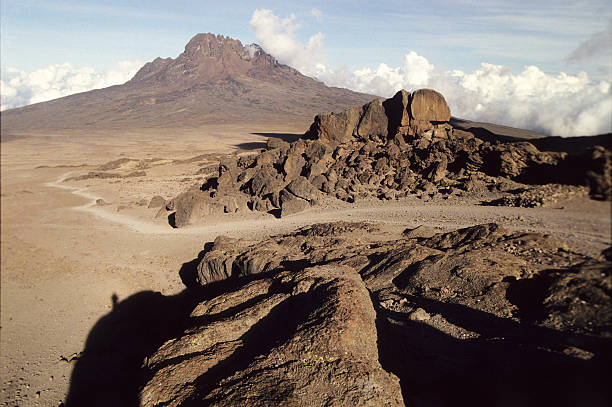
(258, 145)
(288, 137)
(109, 371)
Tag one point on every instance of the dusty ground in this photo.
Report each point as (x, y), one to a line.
(65, 259)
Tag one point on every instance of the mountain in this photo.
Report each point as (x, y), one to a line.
(216, 79)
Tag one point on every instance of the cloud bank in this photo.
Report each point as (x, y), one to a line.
(19, 88)
(558, 104)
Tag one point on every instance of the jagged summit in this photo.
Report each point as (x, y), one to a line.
(216, 79)
(215, 46)
(212, 57)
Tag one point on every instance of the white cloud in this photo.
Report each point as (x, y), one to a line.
(316, 13)
(558, 104)
(277, 37)
(19, 88)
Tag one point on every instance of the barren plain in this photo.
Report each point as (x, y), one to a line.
(68, 257)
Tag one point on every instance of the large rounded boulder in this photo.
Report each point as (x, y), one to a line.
(429, 105)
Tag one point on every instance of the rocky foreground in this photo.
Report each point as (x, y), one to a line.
(346, 314)
(390, 149)
(338, 315)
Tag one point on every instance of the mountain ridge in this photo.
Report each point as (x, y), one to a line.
(209, 57)
(215, 79)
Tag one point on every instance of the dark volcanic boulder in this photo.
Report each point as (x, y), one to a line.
(579, 299)
(273, 143)
(302, 188)
(397, 110)
(598, 162)
(194, 205)
(266, 181)
(293, 165)
(216, 265)
(291, 203)
(374, 121)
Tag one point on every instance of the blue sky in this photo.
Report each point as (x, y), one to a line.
(52, 48)
(457, 34)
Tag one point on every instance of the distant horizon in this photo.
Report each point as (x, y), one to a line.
(541, 68)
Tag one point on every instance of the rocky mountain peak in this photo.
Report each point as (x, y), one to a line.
(218, 46)
(210, 57)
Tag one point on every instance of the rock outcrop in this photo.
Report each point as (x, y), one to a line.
(295, 338)
(388, 149)
(334, 314)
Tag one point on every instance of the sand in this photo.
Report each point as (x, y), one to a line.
(65, 258)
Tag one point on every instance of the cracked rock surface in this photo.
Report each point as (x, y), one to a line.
(343, 314)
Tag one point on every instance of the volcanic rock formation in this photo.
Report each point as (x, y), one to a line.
(389, 149)
(333, 315)
(216, 79)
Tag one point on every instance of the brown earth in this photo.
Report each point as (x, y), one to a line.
(76, 273)
(404, 283)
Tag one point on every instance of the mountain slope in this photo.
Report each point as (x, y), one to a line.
(216, 79)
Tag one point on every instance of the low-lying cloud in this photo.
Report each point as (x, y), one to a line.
(557, 104)
(19, 88)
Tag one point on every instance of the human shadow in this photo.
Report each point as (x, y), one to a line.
(110, 371)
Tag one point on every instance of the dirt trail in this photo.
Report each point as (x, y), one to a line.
(587, 226)
(90, 206)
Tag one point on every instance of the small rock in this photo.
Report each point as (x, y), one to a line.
(419, 315)
(157, 201)
(274, 142)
